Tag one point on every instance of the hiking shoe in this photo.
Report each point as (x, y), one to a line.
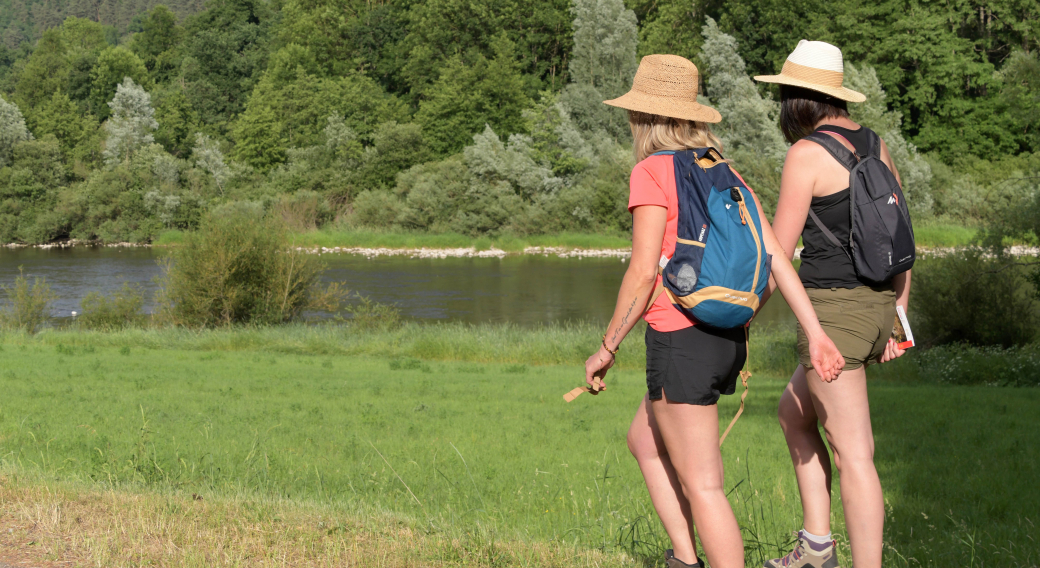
(672, 562)
(807, 554)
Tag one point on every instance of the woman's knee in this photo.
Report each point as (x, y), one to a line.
(849, 457)
(700, 485)
(792, 416)
(641, 443)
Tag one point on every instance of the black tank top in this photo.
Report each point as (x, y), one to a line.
(823, 264)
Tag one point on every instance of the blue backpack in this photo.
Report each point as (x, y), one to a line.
(720, 268)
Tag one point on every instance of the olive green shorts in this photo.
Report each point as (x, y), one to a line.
(858, 320)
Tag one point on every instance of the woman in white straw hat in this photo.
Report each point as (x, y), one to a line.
(675, 433)
(856, 313)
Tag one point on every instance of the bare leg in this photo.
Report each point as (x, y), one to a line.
(844, 411)
(812, 462)
(691, 435)
(644, 441)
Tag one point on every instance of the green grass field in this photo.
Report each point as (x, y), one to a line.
(455, 446)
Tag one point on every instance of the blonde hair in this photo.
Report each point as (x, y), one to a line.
(653, 133)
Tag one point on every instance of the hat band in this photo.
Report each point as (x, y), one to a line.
(812, 75)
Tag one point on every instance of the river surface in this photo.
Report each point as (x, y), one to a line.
(522, 289)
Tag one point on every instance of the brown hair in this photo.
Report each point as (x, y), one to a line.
(652, 133)
(802, 109)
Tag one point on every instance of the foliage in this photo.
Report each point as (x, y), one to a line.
(239, 268)
(468, 96)
(209, 158)
(748, 129)
(120, 310)
(113, 67)
(602, 65)
(12, 130)
(971, 296)
(333, 99)
(132, 123)
(368, 314)
(26, 307)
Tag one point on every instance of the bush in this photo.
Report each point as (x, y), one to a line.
(26, 307)
(303, 211)
(970, 296)
(106, 313)
(368, 314)
(376, 208)
(239, 268)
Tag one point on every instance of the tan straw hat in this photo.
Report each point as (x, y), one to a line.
(666, 85)
(818, 66)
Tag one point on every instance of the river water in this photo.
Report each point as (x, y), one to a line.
(522, 289)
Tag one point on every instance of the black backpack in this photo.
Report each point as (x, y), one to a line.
(881, 237)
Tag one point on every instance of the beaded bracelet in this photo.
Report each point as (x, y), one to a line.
(609, 350)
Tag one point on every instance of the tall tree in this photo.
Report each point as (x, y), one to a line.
(113, 66)
(12, 130)
(466, 97)
(226, 51)
(441, 30)
(602, 64)
(132, 123)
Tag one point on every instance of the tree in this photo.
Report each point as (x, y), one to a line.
(290, 105)
(61, 117)
(207, 156)
(114, 65)
(159, 34)
(1020, 95)
(131, 125)
(178, 122)
(439, 31)
(749, 129)
(12, 130)
(465, 98)
(226, 52)
(602, 64)
(46, 71)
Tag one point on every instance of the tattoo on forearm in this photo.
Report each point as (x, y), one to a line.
(624, 320)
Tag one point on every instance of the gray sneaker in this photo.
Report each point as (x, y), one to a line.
(672, 562)
(807, 554)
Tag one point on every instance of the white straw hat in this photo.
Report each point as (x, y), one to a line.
(666, 85)
(818, 66)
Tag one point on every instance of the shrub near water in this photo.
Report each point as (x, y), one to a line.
(120, 310)
(969, 296)
(26, 306)
(240, 268)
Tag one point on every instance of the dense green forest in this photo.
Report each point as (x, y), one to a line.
(122, 119)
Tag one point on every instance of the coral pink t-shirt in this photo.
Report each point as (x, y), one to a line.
(653, 183)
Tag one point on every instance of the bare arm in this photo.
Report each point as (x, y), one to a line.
(648, 224)
(826, 359)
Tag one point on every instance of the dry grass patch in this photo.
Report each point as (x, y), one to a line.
(47, 525)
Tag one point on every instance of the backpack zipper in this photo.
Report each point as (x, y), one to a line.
(746, 217)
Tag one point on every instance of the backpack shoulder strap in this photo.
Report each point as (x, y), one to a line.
(875, 143)
(847, 159)
(827, 233)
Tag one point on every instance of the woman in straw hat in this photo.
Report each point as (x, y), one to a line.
(675, 434)
(858, 316)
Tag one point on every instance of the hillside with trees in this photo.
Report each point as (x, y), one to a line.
(123, 119)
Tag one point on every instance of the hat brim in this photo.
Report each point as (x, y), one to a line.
(665, 106)
(837, 92)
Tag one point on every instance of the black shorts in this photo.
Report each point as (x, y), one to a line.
(694, 365)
